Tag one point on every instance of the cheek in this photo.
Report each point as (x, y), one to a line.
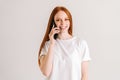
(58, 24)
(68, 23)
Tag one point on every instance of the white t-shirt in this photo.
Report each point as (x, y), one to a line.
(67, 58)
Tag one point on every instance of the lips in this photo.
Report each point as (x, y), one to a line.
(63, 27)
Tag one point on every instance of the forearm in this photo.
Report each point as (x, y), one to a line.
(84, 78)
(47, 62)
(84, 70)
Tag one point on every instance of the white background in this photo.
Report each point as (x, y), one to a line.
(23, 24)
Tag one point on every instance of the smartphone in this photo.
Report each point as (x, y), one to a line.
(55, 35)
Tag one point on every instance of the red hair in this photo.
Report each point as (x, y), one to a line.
(49, 26)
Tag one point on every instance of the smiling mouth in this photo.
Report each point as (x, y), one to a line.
(63, 27)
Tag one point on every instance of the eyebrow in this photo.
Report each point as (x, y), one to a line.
(60, 18)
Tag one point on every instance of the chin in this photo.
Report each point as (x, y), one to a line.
(63, 31)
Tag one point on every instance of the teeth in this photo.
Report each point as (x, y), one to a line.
(64, 27)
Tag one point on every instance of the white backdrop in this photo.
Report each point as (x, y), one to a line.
(23, 23)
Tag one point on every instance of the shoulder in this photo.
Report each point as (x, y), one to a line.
(47, 43)
(83, 42)
(80, 41)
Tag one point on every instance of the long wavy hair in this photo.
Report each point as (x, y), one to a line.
(50, 24)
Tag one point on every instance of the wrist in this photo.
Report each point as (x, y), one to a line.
(52, 44)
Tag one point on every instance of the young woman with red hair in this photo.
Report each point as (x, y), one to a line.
(63, 56)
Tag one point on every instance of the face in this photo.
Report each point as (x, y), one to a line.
(62, 21)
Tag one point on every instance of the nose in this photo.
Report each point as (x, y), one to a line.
(62, 22)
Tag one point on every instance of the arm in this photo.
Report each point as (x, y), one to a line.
(84, 70)
(46, 62)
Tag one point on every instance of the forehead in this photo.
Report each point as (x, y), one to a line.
(60, 14)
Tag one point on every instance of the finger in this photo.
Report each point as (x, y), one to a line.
(56, 28)
(53, 26)
(56, 31)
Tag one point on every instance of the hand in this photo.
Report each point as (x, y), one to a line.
(53, 31)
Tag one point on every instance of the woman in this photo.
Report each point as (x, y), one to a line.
(63, 56)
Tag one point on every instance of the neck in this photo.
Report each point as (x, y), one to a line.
(64, 36)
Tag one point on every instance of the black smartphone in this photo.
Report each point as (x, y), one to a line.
(55, 35)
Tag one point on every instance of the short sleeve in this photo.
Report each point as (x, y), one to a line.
(44, 49)
(86, 52)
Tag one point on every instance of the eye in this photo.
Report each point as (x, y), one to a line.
(67, 19)
(57, 19)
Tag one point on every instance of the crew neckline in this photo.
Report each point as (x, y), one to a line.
(73, 37)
